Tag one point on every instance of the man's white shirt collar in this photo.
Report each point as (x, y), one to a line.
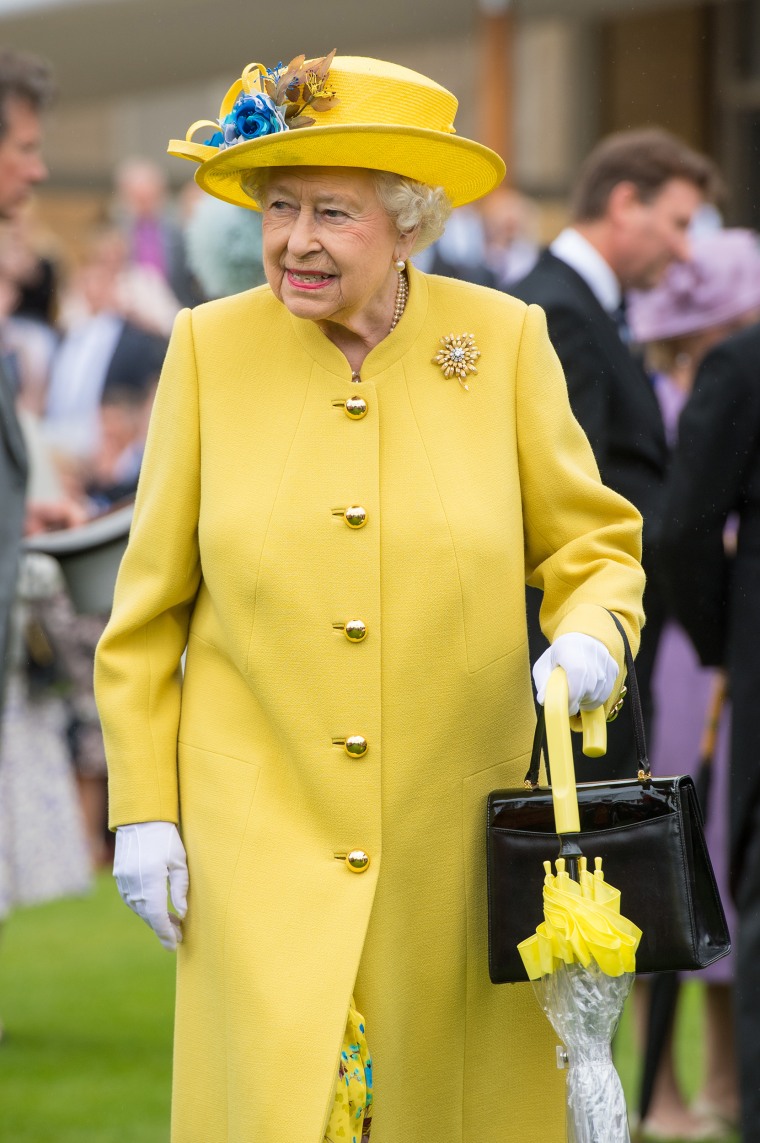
(577, 252)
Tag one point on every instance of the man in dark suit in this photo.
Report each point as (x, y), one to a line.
(25, 89)
(633, 203)
(716, 474)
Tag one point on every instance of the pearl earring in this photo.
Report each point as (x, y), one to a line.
(400, 265)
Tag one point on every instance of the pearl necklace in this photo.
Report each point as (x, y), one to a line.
(402, 296)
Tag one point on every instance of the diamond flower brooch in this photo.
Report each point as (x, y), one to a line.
(457, 356)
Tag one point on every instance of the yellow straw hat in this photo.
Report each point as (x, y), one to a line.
(366, 113)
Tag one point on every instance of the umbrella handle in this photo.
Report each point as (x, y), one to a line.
(560, 746)
(594, 725)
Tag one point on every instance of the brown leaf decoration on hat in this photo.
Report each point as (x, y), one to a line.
(293, 75)
(301, 121)
(301, 86)
(293, 95)
(323, 104)
(320, 68)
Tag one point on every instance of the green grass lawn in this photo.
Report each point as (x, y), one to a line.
(86, 996)
(689, 1051)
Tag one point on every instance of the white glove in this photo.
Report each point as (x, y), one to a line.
(591, 671)
(146, 855)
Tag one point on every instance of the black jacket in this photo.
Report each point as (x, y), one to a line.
(610, 393)
(716, 596)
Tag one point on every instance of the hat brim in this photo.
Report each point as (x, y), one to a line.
(466, 170)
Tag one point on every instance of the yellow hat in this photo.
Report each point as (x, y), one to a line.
(366, 113)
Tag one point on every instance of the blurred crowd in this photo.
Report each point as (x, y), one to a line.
(82, 341)
(82, 338)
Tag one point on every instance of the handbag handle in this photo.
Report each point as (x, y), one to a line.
(639, 734)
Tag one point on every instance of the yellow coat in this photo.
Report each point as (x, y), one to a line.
(240, 550)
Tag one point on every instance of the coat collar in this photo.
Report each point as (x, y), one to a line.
(390, 350)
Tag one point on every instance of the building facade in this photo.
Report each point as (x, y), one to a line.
(541, 80)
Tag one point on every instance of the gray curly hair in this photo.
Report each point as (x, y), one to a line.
(409, 205)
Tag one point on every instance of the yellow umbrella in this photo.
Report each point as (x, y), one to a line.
(582, 922)
(582, 957)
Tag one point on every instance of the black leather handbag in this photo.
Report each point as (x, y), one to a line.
(648, 832)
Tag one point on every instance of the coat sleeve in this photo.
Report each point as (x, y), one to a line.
(137, 665)
(582, 540)
(717, 440)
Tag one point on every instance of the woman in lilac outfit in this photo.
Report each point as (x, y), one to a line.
(697, 305)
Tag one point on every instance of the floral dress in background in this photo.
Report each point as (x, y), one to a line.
(43, 848)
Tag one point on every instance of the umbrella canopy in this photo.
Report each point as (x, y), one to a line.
(582, 922)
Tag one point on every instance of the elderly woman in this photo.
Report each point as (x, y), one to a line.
(350, 474)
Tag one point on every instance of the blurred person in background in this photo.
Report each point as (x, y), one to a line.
(103, 349)
(510, 231)
(114, 467)
(139, 294)
(698, 304)
(491, 244)
(224, 247)
(26, 88)
(714, 590)
(460, 252)
(44, 852)
(634, 199)
(154, 237)
(28, 255)
(27, 349)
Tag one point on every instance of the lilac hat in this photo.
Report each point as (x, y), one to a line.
(720, 282)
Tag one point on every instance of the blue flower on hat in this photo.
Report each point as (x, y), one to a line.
(253, 116)
(285, 94)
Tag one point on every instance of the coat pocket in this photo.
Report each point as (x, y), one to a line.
(216, 799)
(491, 565)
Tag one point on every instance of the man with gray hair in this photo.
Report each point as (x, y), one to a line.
(26, 88)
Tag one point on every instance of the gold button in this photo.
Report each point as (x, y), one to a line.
(356, 746)
(355, 516)
(355, 630)
(355, 408)
(357, 861)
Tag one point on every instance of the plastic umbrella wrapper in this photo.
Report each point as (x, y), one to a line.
(582, 957)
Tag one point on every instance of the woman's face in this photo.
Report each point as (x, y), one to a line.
(329, 246)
